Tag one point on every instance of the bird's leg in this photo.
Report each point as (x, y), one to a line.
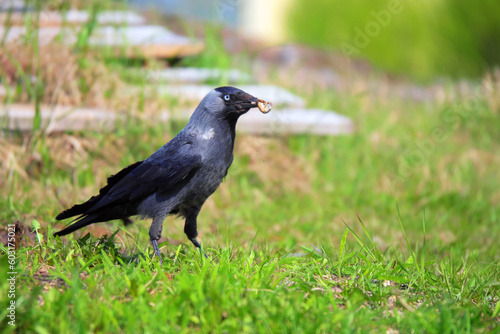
(157, 251)
(191, 228)
(195, 243)
(155, 235)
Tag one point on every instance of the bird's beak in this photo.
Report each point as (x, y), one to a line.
(248, 101)
(253, 101)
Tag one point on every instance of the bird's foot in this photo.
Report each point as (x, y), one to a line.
(157, 251)
(197, 245)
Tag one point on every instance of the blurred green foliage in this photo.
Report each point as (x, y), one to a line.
(423, 39)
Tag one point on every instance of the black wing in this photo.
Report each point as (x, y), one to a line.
(80, 209)
(166, 171)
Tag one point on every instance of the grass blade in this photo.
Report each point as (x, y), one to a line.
(406, 239)
(422, 256)
(361, 243)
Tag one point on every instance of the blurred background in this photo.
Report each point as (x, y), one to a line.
(424, 40)
(376, 104)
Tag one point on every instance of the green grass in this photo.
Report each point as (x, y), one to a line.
(392, 228)
(448, 38)
(307, 233)
(94, 288)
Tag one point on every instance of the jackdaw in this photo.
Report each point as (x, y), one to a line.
(179, 177)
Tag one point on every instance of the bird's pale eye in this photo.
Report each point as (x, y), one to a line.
(227, 97)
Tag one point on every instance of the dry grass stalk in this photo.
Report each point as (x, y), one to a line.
(68, 78)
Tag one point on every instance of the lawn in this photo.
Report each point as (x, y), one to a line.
(393, 228)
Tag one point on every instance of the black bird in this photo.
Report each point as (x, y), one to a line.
(176, 179)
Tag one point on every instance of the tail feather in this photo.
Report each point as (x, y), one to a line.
(78, 224)
(81, 209)
(103, 215)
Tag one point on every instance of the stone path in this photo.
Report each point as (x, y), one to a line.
(135, 41)
(73, 17)
(126, 34)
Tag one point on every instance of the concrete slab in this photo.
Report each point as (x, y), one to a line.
(197, 75)
(295, 121)
(61, 118)
(12, 5)
(50, 18)
(135, 41)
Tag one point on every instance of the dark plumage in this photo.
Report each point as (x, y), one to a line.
(176, 179)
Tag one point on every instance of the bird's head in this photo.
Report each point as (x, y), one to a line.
(230, 102)
(234, 101)
(226, 103)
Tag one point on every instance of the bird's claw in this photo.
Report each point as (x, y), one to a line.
(157, 251)
(197, 245)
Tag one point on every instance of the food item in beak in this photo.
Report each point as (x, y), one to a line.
(264, 106)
